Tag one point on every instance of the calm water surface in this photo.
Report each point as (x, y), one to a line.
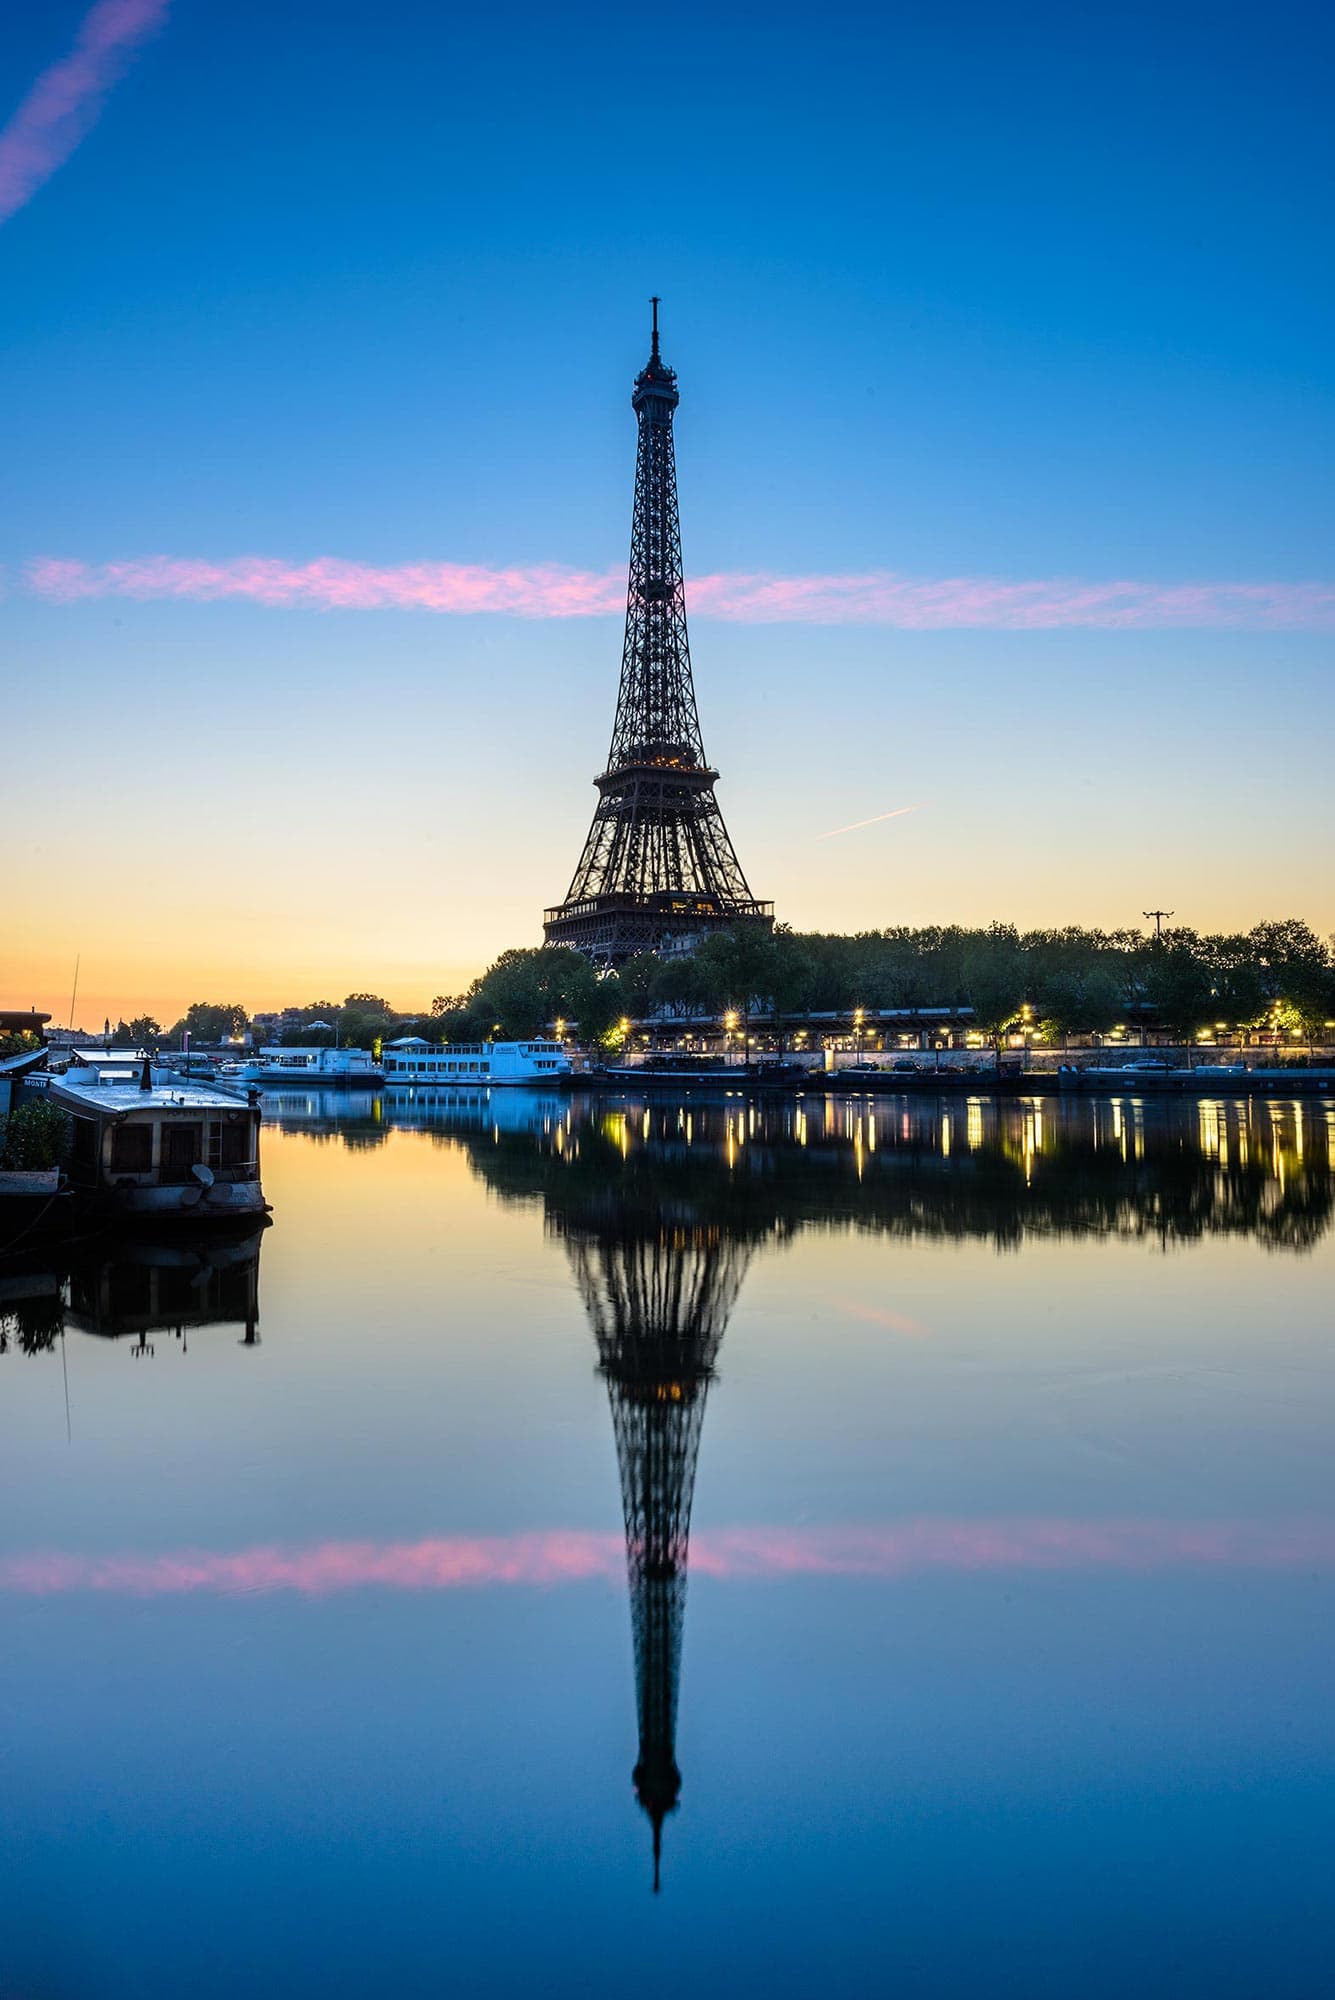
(349, 1648)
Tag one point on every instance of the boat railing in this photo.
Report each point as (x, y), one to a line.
(177, 1174)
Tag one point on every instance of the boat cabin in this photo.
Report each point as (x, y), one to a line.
(281, 1065)
(154, 1143)
(415, 1061)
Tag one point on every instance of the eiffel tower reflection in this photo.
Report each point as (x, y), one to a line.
(659, 1288)
(662, 1206)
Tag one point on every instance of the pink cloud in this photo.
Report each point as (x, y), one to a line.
(544, 590)
(551, 590)
(918, 604)
(878, 1551)
(65, 100)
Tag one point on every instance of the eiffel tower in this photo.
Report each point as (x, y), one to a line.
(659, 1299)
(658, 863)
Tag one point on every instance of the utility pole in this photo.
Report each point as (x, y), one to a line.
(1158, 916)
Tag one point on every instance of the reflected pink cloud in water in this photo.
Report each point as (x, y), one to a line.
(875, 1551)
(886, 1316)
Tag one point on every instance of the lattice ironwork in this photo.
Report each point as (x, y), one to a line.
(658, 861)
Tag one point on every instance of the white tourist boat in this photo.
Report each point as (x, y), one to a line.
(149, 1142)
(329, 1069)
(412, 1060)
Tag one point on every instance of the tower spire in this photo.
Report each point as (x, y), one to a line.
(658, 862)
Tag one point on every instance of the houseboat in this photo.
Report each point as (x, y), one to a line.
(414, 1061)
(328, 1069)
(148, 1143)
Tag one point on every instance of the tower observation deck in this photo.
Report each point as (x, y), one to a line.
(658, 863)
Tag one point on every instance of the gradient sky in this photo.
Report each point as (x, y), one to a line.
(1005, 446)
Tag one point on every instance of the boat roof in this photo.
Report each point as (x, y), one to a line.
(117, 1096)
(309, 1049)
(117, 1058)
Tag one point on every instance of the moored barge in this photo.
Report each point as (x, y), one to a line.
(146, 1143)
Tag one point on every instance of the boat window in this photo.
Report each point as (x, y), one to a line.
(180, 1148)
(131, 1149)
(236, 1144)
(83, 1144)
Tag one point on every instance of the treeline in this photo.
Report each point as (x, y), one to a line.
(1279, 975)
(206, 1022)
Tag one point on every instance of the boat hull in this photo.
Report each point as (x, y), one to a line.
(225, 1201)
(291, 1079)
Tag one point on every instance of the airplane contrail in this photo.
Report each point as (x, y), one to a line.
(66, 98)
(875, 819)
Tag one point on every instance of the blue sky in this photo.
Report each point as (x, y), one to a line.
(1025, 295)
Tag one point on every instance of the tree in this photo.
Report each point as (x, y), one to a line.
(1238, 983)
(736, 969)
(792, 976)
(144, 1030)
(211, 1021)
(19, 1042)
(1181, 990)
(34, 1137)
(678, 985)
(1295, 969)
(526, 991)
(994, 983)
(456, 1023)
(637, 978)
(1080, 1002)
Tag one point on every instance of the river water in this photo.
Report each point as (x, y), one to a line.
(350, 1647)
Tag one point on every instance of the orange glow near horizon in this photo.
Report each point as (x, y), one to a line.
(290, 915)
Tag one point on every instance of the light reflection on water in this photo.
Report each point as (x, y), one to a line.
(1013, 1552)
(1001, 1168)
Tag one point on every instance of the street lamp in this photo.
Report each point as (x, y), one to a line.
(858, 1017)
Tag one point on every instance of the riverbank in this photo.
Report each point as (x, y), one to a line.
(1010, 1081)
